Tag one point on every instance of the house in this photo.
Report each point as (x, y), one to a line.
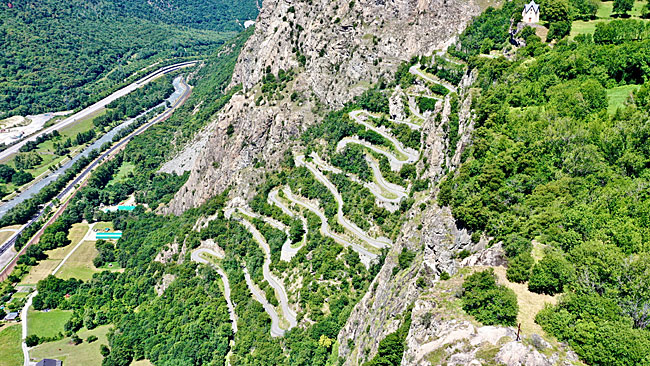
(49, 362)
(530, 14)
(12, 317)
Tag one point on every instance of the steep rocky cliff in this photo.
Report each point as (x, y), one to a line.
(336, 49)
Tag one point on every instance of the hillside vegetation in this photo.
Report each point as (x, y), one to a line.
(60, 55)
(549, 164)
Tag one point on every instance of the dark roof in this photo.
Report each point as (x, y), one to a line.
(49, 362)
(532, 5)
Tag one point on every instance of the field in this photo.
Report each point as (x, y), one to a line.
(10, 346)
(54, 257)
(86, 354)
(80, 264)
(604, 13)
(47, 324)
(616, 97)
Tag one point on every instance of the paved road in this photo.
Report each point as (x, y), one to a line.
(96, 107)
(412, 155)
(378, 243)
(275, 283)
(72, 186)
(288, 251)
(395, 163)
(196, 257)
(364, 254)
(395, 189)
(415, 70)
(388, 194)
(276, 331)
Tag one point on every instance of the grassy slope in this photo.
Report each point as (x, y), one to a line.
(10, 348)
(47, 324)
(86, 354)
(618, 96)
(604, 13)
(80, 264)
(55, 256)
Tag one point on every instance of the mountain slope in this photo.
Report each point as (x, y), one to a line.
(58, 55)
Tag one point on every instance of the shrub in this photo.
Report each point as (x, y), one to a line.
(519, 268)
(551, 274)
(32, 340)
(489, 303)
(91, 338)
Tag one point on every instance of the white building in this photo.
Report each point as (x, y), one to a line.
(531, 13)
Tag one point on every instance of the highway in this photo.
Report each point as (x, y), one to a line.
(96, 107)
(72, 186)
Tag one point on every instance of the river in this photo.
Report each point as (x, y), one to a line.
(108, 137)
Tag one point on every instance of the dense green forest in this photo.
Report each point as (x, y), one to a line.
(555, 165)
(60, 55)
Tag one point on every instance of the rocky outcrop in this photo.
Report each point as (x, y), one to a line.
(434, 236)
(441, 334)
(336, 49)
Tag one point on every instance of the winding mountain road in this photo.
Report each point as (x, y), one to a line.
(196, 257)
(415, 70)
(364, 254)
(288, 250)
(276, 331)
(412, 155)
(386, 193)
(378, 243)
(277, 285)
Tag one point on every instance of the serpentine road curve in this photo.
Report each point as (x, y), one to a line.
(277, 285)
(276, 331)
(196, 257)
(378, 188)
(412, 155)
(378, 243)
(415, 70)
(364, 254)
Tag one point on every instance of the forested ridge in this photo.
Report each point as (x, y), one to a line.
(60, 55)
(555, 167)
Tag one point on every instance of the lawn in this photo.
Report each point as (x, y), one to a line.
(86, 354)
(616, 97)
(10, 346)
(47, 324)
(80, 264)
(603, 14)
(102, 225)
(54, 256)
(605, 9)
(123, 172)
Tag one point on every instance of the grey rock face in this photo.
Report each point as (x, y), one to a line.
(345, 49)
